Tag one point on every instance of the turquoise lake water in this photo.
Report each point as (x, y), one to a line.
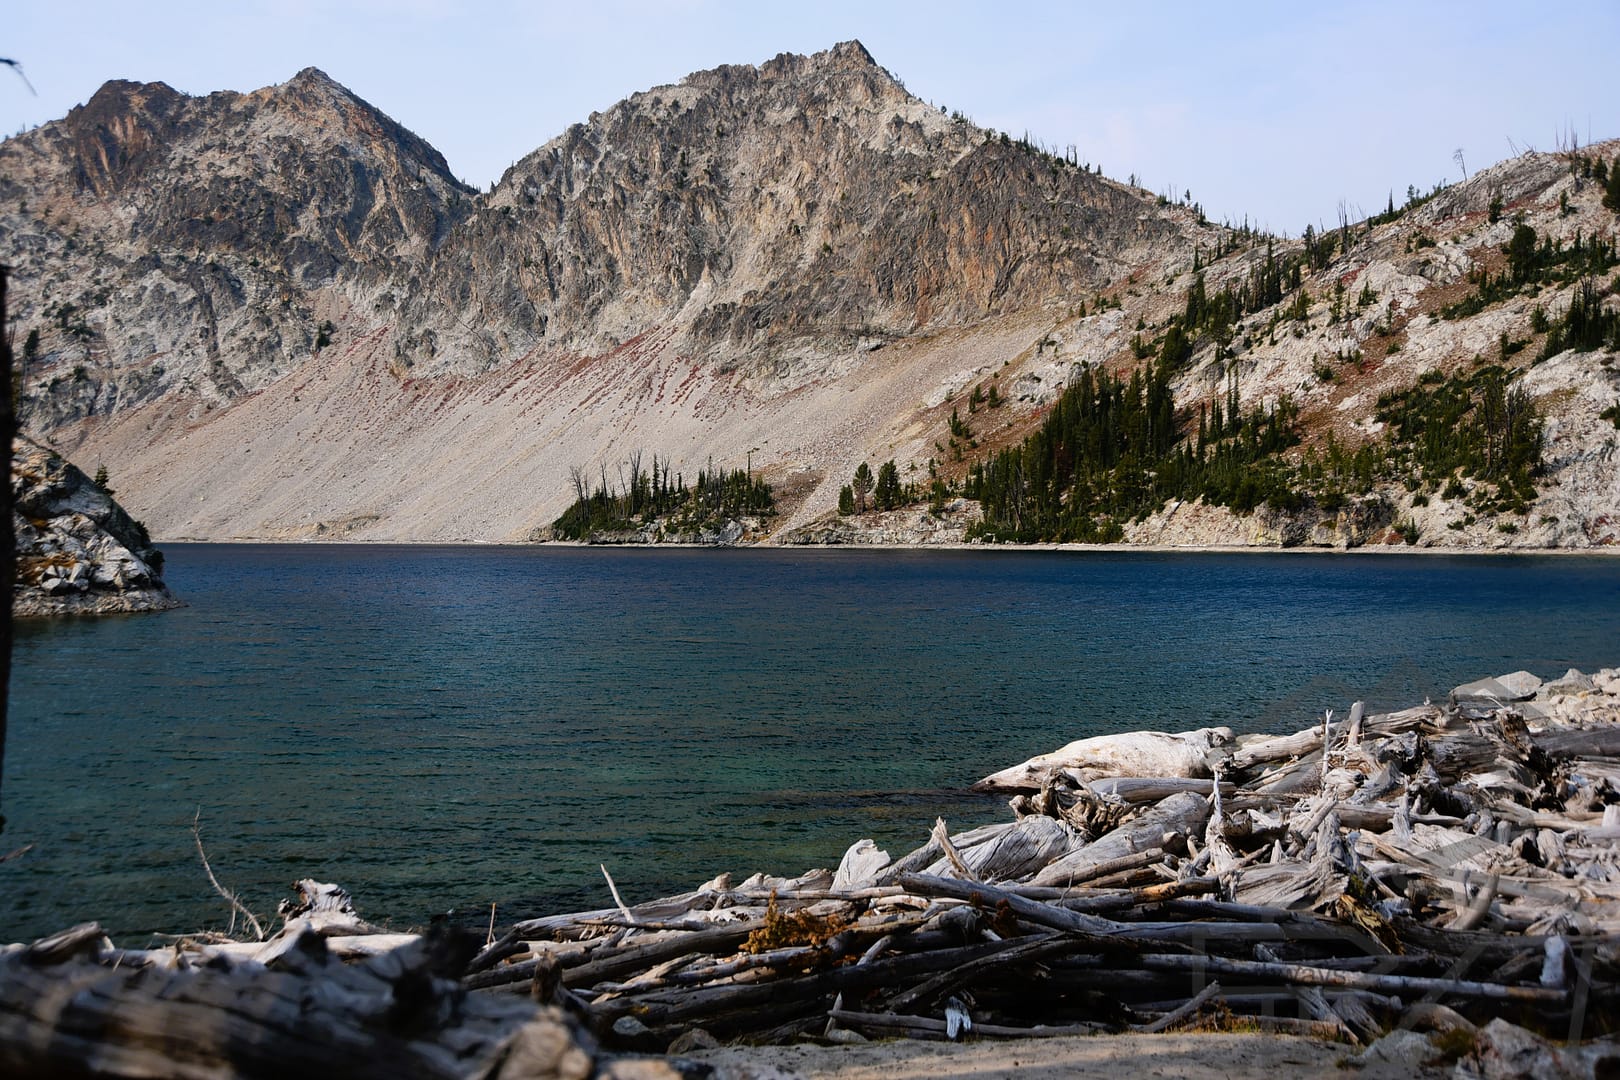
(444, 728)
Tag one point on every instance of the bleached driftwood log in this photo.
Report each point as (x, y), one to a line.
(1135, 753)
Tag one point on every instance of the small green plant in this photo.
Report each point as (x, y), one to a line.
(959, 428)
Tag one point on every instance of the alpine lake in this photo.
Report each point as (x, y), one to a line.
(440, 729)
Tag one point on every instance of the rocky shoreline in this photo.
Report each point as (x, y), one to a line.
(1435, 890)
(1369, 526)
(78, 551)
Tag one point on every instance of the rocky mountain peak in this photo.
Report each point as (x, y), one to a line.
(849, 54)
(763, 213)
(166, 242)
(846, 56)
(113, 137)
(313, 77)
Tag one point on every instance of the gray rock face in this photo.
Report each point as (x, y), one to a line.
(1502, 690)
(810, 196)
(165, 244)
(910, 526)
(1573, 682)
(78, 552)
(1505, 1050)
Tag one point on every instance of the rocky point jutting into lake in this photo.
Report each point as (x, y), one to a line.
(78, 552)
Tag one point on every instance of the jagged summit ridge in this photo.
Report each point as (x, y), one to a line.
(197, 244)
(762, 211)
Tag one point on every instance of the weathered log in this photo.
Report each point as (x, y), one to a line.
(1151, 874)
(1601, 742)
(1280, 748)
(945, 982)
(1259, 751)
(1095, 872)
(628, 961)
(343, 946)
(85, 939)
(860, 866)
(1182, 1012)
(1135, 753)
(1125, 899)
(1151, 789)
(1105, 933)
(1306, 975)
(663, 1007)
(1029, 845)
(1312, 1002)
(1178, 814)
(507, 945)
(990, 897)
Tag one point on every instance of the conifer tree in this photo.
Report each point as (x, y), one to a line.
(862, 484)
(887, 494)
(1521, 253)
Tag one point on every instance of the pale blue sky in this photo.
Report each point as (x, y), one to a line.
(1274, 110)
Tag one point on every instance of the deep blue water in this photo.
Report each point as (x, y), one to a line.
(447, 727)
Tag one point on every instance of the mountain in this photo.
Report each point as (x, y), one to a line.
(768, 211)
(278, 315)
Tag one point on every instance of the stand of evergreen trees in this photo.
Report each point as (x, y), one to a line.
(883, 492)
(1111, 450)
(1534, 260)
(1472, 426)
(644, 495)
(1585, 325)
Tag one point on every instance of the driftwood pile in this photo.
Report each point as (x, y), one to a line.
(1433, 869)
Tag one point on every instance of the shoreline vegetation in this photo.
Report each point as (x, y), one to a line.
(1432, 887)
(981, 546)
